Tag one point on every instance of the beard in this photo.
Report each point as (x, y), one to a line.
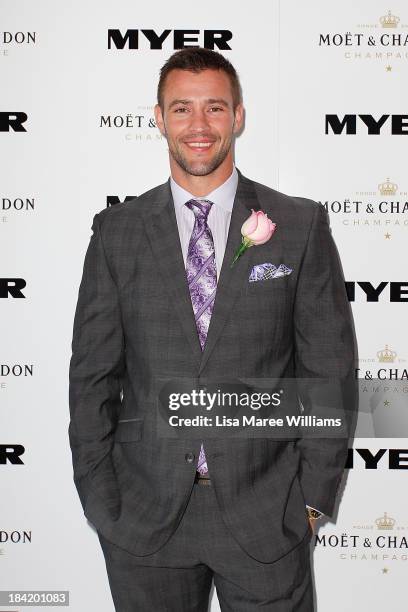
(199, 168)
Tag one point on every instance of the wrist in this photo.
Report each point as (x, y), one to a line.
(313, 514)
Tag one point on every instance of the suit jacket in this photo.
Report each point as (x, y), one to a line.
(134, 321)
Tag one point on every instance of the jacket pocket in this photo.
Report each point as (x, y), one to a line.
(129, 430)
(268, 284)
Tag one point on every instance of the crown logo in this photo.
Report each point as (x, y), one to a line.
(389, 21)
(386, 355)
(387, 188)
(385, 522)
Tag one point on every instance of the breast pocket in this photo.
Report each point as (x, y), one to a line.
(129, 430)
(267, 286)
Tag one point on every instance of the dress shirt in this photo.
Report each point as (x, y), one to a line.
(219, 216)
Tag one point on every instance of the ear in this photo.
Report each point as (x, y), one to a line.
(238, 117)
(159, 119)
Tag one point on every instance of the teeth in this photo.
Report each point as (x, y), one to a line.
(199, 144)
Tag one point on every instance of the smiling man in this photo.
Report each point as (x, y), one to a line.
(199, 116)
(159, 297)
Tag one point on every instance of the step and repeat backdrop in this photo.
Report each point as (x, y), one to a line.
(325, 90)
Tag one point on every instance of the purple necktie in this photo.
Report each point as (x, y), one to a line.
(202, 280)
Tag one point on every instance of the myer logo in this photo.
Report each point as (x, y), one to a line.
(397, 291)
(396, 125)
(175, 39)
(392, 458)
(11, 453)
(12, 121)
(11, 287)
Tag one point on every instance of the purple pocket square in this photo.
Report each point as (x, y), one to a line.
(268, 270)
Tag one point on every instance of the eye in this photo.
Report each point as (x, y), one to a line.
(216, 108)
(180, 110)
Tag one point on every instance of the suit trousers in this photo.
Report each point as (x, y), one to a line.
(179, 576)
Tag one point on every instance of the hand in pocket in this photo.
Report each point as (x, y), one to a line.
(105, 485)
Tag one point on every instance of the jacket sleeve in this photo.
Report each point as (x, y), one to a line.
(325, 360)
(96, 366)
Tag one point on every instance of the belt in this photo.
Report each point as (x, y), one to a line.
(202, 480)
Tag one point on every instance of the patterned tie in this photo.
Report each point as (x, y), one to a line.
(202, 280)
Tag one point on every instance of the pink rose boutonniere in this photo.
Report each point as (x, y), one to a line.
(257, 229)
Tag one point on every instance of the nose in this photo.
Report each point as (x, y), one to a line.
(199, 122)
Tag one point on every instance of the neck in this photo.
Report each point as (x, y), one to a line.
(200, 186)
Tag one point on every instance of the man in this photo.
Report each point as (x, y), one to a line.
(160, 298)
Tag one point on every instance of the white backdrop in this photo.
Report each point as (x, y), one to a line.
(67, 162)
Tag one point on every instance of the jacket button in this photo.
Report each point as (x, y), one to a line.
(189, 457)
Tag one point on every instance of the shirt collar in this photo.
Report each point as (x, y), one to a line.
(223, 195)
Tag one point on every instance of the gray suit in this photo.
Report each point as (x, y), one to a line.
(134, 322)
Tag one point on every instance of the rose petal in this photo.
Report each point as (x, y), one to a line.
(262, 231)
(250, 224)
(270, 232)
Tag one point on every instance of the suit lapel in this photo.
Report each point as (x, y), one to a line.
(161, 227)
(231, 280)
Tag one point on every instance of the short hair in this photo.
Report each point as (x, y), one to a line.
(197, 59)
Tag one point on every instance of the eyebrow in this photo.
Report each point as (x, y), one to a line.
(208, 101)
